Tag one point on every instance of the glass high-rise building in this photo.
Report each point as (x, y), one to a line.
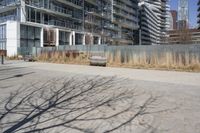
(183, 14)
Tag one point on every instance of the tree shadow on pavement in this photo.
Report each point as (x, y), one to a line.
(89, 105)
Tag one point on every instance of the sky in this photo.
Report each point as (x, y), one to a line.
(192, 10)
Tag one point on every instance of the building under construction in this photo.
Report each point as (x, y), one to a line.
(25, 24)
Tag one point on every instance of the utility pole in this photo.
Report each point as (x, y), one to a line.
(2, 59)
(2, 54)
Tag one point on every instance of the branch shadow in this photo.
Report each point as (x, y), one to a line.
(16, 76)
(13, 68)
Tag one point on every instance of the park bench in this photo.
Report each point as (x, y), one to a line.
(29, 58)
(98, 59)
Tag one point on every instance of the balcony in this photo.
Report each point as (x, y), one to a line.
(64, 24)
(111, 27)
(94, 2)
(56, 10)
(92, 22)
(8, 5)
(6, 18)
(4, 3)
(72, 3)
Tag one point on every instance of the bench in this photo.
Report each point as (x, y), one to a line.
(98, 61)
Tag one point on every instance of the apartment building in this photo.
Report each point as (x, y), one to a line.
(25, 24)
(125, 19)
(154, 15)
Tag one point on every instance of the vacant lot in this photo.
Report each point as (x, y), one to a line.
(179, 92)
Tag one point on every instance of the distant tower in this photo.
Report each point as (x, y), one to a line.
(183, 14)
(173, 24)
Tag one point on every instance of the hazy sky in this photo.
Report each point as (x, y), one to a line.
(192, 10)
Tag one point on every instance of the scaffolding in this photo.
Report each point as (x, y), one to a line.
(59, 22)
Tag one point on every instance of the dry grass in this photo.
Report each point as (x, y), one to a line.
(165, 61)
(15, 57)
(63, 58)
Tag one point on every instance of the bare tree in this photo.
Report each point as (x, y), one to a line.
(73, 105)
(184, 36)
(88, 39)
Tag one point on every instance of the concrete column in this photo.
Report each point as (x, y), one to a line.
(99, 41)
(22, 11)
(83, 39)
(18, 35)
(112, 3)
(74, 37)
(13, 37)
(70, 38)
(57, 37)
(42, 37)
